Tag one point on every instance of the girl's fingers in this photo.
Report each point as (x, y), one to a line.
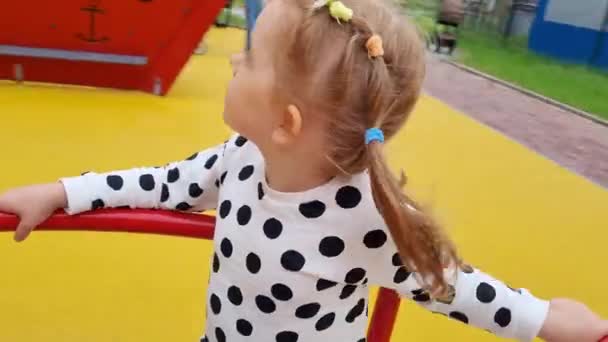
(23, 230)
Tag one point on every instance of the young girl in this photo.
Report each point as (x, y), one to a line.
(309, 214)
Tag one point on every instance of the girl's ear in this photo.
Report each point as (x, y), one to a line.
(289, 127)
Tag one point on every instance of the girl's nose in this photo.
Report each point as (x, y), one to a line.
(235, 61)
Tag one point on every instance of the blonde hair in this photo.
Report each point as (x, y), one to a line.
(323, 64)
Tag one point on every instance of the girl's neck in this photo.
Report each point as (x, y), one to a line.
(297, 172)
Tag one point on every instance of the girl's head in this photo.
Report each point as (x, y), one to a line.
(313, 83)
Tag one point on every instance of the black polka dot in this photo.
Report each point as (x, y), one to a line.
(323, 284)
(217, 183)
(115, 182)
(312, 209)
(503, 317)
(287, 336)
(216, 263)
(164, 193)
(375, 238)
(192, 157)
(253, 263)
(246, 172)
(216, 305)
(362, 340)
(421, 296)
(210, 162)
(244, 327)
(226, 247)
(292, 261)
(219, 335)
(265, 304)
(97, 204)
(260, 191)
(225, 209)
(397, 260)
(348, 197)
(347, 291)
(235, 296)
(243, 215)
(223, 177)
(459, 316)
(401, 275)
(194, 190)
(173, 175)
(356, 311)
(281, 292)
(147, 182)
(308, 310)
(240, 141)
(273, 228)
(183, 206)
(325, 322)
(331, 246)
(354, 276)
(364, 281)
(204, 339)
(485, 293)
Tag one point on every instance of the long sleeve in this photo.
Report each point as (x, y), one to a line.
(189, 185)
(475, 297)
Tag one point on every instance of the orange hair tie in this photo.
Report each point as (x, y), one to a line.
(374, 46)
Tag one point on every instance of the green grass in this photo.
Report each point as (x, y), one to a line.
(235, 20)
(579, 86)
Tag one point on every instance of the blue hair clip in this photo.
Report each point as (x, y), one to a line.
(374, 134)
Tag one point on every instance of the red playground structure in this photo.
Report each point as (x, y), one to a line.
(123, 44)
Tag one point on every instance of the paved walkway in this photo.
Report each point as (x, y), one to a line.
(570, 140)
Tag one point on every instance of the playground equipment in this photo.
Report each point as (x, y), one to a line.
(190, 226)
(451, 15)
(137, 45)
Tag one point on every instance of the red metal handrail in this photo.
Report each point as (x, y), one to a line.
(141, 221)
(185, 225)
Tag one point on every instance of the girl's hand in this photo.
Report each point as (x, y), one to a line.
(33, 204)
(571, 321)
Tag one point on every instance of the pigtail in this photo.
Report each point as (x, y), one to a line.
(419, 240)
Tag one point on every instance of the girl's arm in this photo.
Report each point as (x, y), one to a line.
(482, 301)
(188, 185)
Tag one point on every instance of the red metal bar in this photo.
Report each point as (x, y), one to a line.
(158, 222)
(384, 316)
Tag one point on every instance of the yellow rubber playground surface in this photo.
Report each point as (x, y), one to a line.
(513, 213)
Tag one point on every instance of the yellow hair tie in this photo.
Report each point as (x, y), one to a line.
(374, 46)
(337, 9)
(340, 12)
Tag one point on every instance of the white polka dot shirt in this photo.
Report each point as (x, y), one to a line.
(295, 267)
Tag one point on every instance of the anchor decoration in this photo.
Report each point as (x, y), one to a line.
(93, 9)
